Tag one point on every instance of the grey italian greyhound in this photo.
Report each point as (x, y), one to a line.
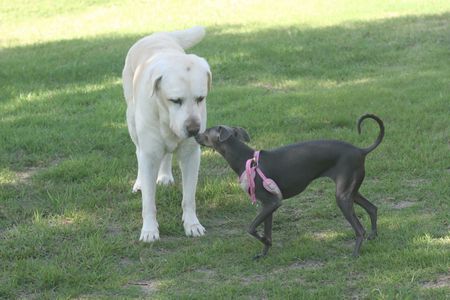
(285, 172)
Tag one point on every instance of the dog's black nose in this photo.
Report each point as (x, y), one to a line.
(192, 128)
(193, 132)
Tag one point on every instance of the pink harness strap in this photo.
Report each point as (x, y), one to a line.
(251, 168)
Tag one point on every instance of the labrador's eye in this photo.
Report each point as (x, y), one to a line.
(178, 101)
(200, 99)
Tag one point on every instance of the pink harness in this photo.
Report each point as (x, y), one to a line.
(251, 168)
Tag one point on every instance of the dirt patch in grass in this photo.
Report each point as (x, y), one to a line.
(416, 182)
(253, 278)
(388, 200)
(126, 262)
(224, 227)
(25, 175)
(61, 222)
(226, 232)
(206, 272)
(322, 235)
(114, 230)
(148, 287)
(403, 204)
(31, 296)
(304, 264)
(442, 281)
(307, 264)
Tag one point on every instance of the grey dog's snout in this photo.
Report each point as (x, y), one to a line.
(198, 138)
(203, 139)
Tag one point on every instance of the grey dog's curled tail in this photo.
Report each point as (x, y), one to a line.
(380, 135)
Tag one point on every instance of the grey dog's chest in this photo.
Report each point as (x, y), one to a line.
(243, 182)
(247, 183)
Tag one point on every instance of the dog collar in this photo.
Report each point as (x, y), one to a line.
(247, 179)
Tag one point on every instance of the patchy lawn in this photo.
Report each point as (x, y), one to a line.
(69, 223)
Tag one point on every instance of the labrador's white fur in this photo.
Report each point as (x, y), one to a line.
(165, 90)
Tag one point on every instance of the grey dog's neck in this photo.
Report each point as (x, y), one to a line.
(236, 153)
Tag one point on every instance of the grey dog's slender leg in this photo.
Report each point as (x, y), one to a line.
(264, 216)
(346, 205)
(267, 234)
(371, 210)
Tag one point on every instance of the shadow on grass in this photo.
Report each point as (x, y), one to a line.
(356, 51)
(312, 82)
(62, 101)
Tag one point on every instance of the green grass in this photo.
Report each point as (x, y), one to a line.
(286, 72)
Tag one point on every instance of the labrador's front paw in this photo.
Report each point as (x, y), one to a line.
(148, 236)
(165, 180)
(136, 186)
(194, 230)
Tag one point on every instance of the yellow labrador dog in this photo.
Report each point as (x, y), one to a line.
(165, 90)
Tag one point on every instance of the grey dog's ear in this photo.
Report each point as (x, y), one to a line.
(224, 133)
(241, 134)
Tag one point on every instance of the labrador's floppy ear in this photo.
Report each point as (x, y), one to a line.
(155, 76)
(156, 84)
(205, 65)
(224, 133)
(241, 134)
(209, 80)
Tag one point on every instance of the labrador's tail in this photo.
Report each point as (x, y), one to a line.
(189, 37)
